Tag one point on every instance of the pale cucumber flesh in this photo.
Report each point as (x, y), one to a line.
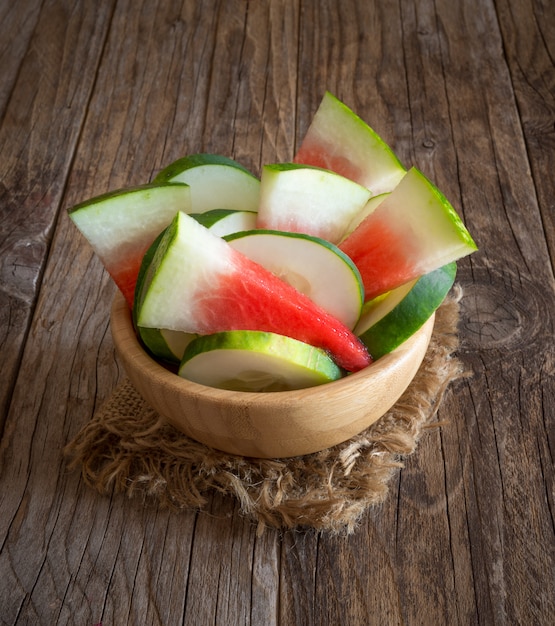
(308, 200)
(313, 266)
(256, 361)
(216, 183)
(224, 222)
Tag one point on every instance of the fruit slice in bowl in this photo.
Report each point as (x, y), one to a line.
(339, 140)
(415, 230)
(308, 200)
(269, 425)
(247, 360)
(312, 265)
(197, 283)
(121, 225)
(216, 181)
(224, 222)
(389, 320)
(162, 343)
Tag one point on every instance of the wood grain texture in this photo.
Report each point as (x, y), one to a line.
(96, 96)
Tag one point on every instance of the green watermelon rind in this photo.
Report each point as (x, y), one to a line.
(126, 191)
(151, 338)
(196, 160)
(410, 314)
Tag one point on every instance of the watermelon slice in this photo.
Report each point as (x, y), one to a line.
(197, 283)
(412, 232)
(338, 140)
(308, 200)
(121, 225)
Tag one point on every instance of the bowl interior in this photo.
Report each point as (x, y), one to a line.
(270, 424)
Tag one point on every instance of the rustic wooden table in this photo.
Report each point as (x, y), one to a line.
(100, 95)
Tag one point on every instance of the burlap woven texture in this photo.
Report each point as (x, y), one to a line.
(128, 448)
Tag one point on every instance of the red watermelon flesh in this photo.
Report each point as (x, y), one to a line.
(124, 272)
(383, 255)
(216, 288)
(249, 299)
(415, 230)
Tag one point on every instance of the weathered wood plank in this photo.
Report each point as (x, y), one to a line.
(530, 60)
(466, 535)
(17, 24)
(38, 134)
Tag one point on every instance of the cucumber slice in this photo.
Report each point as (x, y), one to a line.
(217, 182)
(389, 320)
(309, 200)
(256, 361)
(312, 265)
(224, 222)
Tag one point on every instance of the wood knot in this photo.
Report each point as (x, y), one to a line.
(503, 309)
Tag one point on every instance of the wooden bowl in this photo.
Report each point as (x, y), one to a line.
(271, 424)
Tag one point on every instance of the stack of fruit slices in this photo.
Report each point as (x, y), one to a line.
(292, 280)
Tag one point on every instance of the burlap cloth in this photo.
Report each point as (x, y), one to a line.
(128, 448)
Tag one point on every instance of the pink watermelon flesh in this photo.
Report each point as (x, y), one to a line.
(125, 271)
(319, 154)
(235, 293)
(382, 254)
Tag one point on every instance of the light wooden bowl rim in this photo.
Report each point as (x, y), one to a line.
(357, 400)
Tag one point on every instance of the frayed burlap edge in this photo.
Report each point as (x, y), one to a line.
(128, 448)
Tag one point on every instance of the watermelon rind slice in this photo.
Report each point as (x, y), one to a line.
(308, 199)
(197, 283)
(339, 140)
(162, 343)
(389, 320)
(414, 231)
(122, 224)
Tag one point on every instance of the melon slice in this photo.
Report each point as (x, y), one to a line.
(415, 230)
(389, 320)
(337, 139)
(247, 360)
(308, 200)
(162, 343)
(122, 224)
(197, 283)
(217, 182)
